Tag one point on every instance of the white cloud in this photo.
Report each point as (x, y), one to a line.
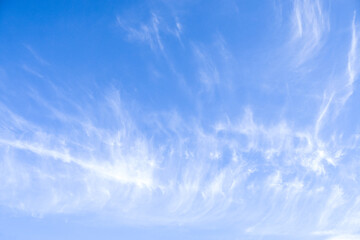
(208, 73)
(151, 32)
(353, 53)
(309, 26)
(32, 71)
(345, 237)
(148, 33)
(353, 63)
(36, 55)
(335, 200)
(179, 173)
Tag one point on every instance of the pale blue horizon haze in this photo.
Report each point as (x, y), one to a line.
(180, 119)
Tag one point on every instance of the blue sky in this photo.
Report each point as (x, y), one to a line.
(180, 119)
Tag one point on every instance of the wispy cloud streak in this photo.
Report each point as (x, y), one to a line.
(309, 26)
